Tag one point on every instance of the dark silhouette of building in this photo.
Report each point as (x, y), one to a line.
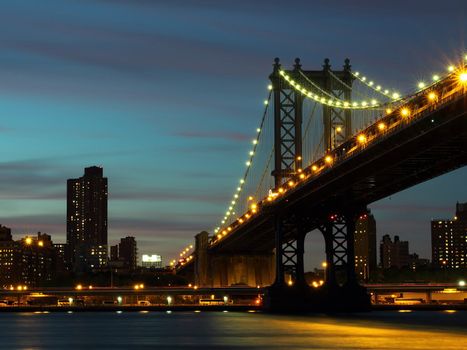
(29, 261)
(416, 262)
(365, 246)
(5, 233)
(63, 257)
(394, 254)
(114, 252)
(87, 220)
(128, 252)
(449, 240)
(7, 253)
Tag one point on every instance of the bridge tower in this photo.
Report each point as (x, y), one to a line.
(291, 227)
(288, 114)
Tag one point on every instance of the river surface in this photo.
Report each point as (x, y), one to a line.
(233, 330)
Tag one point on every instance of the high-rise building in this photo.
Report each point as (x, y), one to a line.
(365, 246)
(7, 250)
(394, 254)
(63, 257)
(128, 252)
(87, 219)
(449, 240)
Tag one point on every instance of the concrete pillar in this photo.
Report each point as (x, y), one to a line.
(202, 264)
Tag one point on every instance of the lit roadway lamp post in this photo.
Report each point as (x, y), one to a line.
(324, 265)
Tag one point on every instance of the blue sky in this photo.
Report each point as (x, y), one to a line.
(166, 95)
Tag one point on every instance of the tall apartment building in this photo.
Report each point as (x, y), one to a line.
(394, 254)
(87, 220)
(365, 246)
(29, 261)
(449, 240)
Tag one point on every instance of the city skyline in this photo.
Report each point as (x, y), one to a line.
(167, 126)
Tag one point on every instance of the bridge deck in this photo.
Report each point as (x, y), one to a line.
(432, 142)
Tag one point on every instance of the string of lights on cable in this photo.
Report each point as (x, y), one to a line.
(231, 209)
(360, 140)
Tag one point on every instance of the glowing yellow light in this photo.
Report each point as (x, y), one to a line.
(302, 176)
(432, 96)
(395, 95)
(248, 163)
(339, 129)
(19, 287)
(258, 130)
(361, 138)
(291, 183)
(240, 220)
(299, 158)
(269, 87)
(255, 142)
(324, 264)
(265, 102)
(328, 159)
(219, 236)
(40, 244)
(290, 283)
(346, 104)
(141, 286)
(435, 77)
(250, 198)
(253, 206)
(90, 286)
(463, 77)
(28, 240)
(381, 126)
(421, 85)
(251, 153)
(79, 287)
(374, 102)
(314, 168)
(281, 190)
(451, 68)
(405, 112)
(388, 110)
(229, 228)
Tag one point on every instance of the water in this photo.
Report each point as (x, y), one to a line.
(218, 330)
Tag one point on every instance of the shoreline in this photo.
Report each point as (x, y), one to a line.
(204, 308)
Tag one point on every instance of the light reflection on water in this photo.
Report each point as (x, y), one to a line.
(150, 330)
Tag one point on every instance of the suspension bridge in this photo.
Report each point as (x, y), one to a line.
(330, 142)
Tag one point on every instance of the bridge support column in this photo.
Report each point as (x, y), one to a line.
(341, 285)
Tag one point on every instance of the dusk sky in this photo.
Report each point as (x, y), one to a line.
(166, 96)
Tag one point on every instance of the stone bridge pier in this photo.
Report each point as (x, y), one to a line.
(225, 270)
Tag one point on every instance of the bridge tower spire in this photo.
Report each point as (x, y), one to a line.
(287, 125)
(337, 122)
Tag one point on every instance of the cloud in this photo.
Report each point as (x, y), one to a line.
(167, 194)
(226, 135)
